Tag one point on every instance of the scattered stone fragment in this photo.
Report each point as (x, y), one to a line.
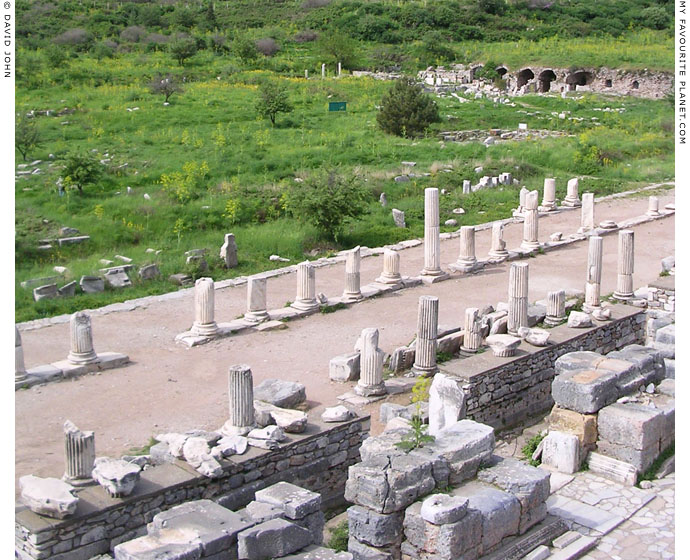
(118, 477)
(398, 218)
(283, 394)
(278, 259)
(601, 314)
(503, 345)
(149, 272)
(91, 284)
(536, 337)
(344, 368)
(68, 289)
(48, 291)
(562, 452)
(337, 414)
(272, 539)
(117, 278)
(48, 496)
(579, 320)
(290, 421)
(181, 279)
(230, 445)
(451, 222)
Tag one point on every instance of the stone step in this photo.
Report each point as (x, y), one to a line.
(620, 471)
(575, 550)
(516, 548)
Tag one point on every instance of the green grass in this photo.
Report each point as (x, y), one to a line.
(650, 473)
(143, 450)
(338, 537)
(530, 447)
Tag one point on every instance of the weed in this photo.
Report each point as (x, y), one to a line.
(530, 447)
(650, 473)
(664, 273)
(442, 357)
(332, 308)
(339, 537)
(145, 449)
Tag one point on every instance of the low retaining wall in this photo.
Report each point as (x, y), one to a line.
(317, 459)
(503, 392)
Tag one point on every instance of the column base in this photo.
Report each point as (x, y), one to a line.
(305, 305)
(587, 308)
(554, 321)
(78, 482)
(256, 316)
(652, 214)
(468, 350)
(530, 245)
(498, 254)
(349, 297)
(207, 329)
(370, 390)
(623, 296)
(230, 430)
(390, 280)
(434, 276)
(421, 371)
(463, 265)
(82, 358)
(547, 207)
(571, 203)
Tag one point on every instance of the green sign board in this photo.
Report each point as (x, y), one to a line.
(337, 106)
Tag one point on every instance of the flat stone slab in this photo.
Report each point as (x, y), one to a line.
(270, 326)
(48, 496)
(295, 501)
(583, 514)
(283, 394)
(319, 553)
(172, 544)
(272, 539)
(106, 360)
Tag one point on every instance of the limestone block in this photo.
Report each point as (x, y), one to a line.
(614, 469)
(296, 502)
(464, 446)
(149, 272)
(667, 387)
(534, 336)
(631, 424)
(117, 278)
(666, 335)
(535, 314)
(228, 251)
(195, 450)
(579, 320)
(168, 544)
(499, 326)
(118, 477)
(447, 402)
(585, 390)
(260, 511)
(398, 218)
(382, 445)
(670, 368)
(539, 553)
(269, 432)
(668, 264)
(344, 368)
(91, 284)
(641, 459)
(271, 539)
(584, 426)
(374, 529)
(284, 394)
(68, 289)
(48, 496)
(441, 509)
(362, 551)
(561, 451)
(337, 414)
(45, 292)
(160, 454)
(503, 345)
(319, 553)
(573, 361)
(648, 366)
(291, 421)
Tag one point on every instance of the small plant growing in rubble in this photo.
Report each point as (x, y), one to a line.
(417, 435)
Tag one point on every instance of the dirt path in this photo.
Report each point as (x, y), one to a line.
(168, 387)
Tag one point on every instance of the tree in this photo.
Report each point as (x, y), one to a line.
(165, 85)
(406, 110)
(338, 47)
(245, 49)
(273, 99)
(81, 170)
(327, 199)
(26, 136)
(182, 49)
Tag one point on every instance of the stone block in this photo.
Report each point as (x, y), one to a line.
(149, 272)
(641, 459)
(631, 424)
(535, 314)
(314, 523)
(670, 368)
(118, 477)
(575, 361)
(344, 368)
(45, 292)
(283, 394)
(169, 544)
(620, 471)
(319, 553)
(579, 320)
(260, 512)
(91, 284)
(585, 390)
(383, 445)
(117, 278)
(539, 553)
(447, 402)
(440, 509)
(374, 529)
(464, 446)
(503, 345)
(296, 502)
(648, 366)
(48, 496)
(561, 451)
(271, 539)
(361, 551)
(584, 426)
(68, 289)
(667, 387)
(337, 414)
(290, 421)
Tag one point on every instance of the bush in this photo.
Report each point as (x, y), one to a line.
(267, 47)
(217, 43)
(311, 4)
(273, 99)
(133, 34)
(306, 36)
(339, 535)
(338, 47)
(406, 111)
(26, 136)
(81, 170)
(655, 17)
(77, 37)
(245, 49)
(327, 199)
(182, 49)
(103, 50)
(56, 56)
(165, 85)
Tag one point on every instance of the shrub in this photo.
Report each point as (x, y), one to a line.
(530, 447)
(306, 36)
(245, 49)
(133, 33)
(339, 537)
(655, 17)
(273, 99)
(182, 49)
(103, 50)
(74, 37)
(338, 47)
(267, 47)
(406, 111)
(26, 136)
(217, 43)
(165, 85)
(56, 56)
(81, 170)
(495, 7)
(154, 40)
(311, 4)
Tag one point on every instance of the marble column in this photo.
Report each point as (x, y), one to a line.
(594, 262)
(241, 401)
(626, 264)
(518, 292)
(19, 367)
(555, 308)
(432, 239)
(587, 221)
(427, 337)
(352, 291)
(466, 186)
(472, 338)
(653, 208)
(530, 236)
(371, 365)
(323, 71)
(572, 198)
(256, 300)
(80, 454)
(306, 288)
(548, 203)
(204, 308)
(467, 259)
(81, 340)
(520, 210)
(391, 268)
(498, 245)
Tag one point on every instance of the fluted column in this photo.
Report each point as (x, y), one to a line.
(472, 339)
(427, 337)
(19, 367)
(523, 202)
(467, 259)
(498, 245)
(391, 268)
(306, 288)
(80, 454)
(653, 208)
(352, 279)
(204, 308)
(256, 300)
(572, 198)
(371, 365)
(241, 401)
(594, 262)
(548, 203)
(530, 236)
(555, 308)
(432, 233)
(587, 221)
(626, 264)
(81, 340)
(518, 292)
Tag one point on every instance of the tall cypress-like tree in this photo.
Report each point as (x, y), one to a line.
(406, 110)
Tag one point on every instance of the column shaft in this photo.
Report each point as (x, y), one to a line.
(427, 336)
(626, 264)
(306, 288)
(241, 400)
(80, 454)
(594, 264)
(81, 340)
(518, 292)
(204, 307)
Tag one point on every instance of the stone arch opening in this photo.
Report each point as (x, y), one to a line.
(579, 78)
(501, 70)
(545, 79)
(609, 83)
(636, 85)
(524, 77)
(473, 72)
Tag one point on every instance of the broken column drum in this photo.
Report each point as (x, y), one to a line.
(587, 221)
(80, 454)
(352, 278)
(432, 234)
(241, 401)
(530, 237)
(518, 292)
(626, 264)
(306, 288)
(555, 308)
(204, 308)
(653, 208)
(549, 201)
(572, 198)
(81, 340)
(472, 338)
(467, 259)
(523, 201)
(256, 300)
(371, 365)
(427, 337)
(594, 262)
(19, 368)
(498, 245)
(391, 268)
